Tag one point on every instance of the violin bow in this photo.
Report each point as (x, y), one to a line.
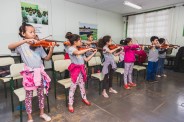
(46, 37)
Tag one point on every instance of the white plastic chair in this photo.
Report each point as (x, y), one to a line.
(96, 61)
(4, 62)
(59, 67)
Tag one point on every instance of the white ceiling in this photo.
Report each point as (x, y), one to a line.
(118, 6)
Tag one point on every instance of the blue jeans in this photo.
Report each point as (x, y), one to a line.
(151, 70)
(160, 69)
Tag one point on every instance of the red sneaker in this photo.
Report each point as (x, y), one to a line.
(71, 109)
(132, 84)
(86, 102)
(126, 87)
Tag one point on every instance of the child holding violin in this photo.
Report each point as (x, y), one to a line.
(153, 60)
(90, 43)
(129, 60)
(109, 64)
(161, 60)
(34, 76)
(77, 69)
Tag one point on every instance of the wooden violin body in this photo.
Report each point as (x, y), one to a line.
(164, 46)
(44, 43)
(82, 48)
(113, 46)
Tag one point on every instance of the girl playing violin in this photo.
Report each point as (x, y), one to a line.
(33, 63)
(77, 69)
(109, 65)
(129, 60)
(90, 43)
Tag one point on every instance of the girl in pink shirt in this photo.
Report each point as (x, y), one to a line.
(129, 60)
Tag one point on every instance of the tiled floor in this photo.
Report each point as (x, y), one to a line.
(158, 102)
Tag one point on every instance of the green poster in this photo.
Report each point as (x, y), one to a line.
(85, 29)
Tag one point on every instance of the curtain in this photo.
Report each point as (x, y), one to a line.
(142, 27)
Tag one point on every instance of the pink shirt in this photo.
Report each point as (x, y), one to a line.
(130, 53)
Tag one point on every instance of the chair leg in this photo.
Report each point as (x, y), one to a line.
(16, 83)
(117, 78)
(86, 84)
(120, 83)
(5, 90)
(137, 75)
(100, 87)
(55, 89)
(20, 111)
(48, 106)
(66, 97)
(11, 93)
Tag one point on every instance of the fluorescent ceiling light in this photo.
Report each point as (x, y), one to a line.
(132, 5)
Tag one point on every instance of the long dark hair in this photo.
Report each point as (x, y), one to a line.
(102, 41)
(73, 38)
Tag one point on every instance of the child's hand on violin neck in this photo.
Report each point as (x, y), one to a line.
(31, 41)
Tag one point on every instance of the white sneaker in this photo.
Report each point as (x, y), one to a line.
(113, 91)
(45, 117)
(158, 76)
(105, 94)
(164, 75)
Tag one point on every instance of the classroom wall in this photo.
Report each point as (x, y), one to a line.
(63, 17)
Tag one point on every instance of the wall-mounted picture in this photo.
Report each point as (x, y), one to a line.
(85, 29)
(32, 13)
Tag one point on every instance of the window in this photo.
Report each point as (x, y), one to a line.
(144, 26)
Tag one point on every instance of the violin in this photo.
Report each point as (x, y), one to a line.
(45, 43)
(113, 46)
(82, 48)
(85, 47)
(164, 46)
(145, 45)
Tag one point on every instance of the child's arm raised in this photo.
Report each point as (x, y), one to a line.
(89, 57)
(112, 51)
(16, 44)
(77, 52)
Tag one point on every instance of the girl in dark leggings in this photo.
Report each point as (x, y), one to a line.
(109, 64)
